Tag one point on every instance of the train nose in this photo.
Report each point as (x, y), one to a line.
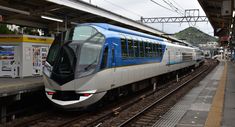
(69, 95)
(64, 98)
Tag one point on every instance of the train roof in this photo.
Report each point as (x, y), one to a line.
(123, 30)
(117, 29)
(180, 46)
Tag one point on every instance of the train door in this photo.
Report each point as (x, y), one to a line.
(108, 61)
(113, 58)
(108, 58)
(104, 62)
(169, 62)
(169, 58)
(113, 63)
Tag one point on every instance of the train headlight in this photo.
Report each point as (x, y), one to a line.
(86, 94)
(50, 92)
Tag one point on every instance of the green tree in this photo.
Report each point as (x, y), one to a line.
(29, 30)
(195, 36)
(5, 30)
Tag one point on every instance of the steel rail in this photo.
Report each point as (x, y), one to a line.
(160, 100)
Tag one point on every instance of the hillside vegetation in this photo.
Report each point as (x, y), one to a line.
(194, 36)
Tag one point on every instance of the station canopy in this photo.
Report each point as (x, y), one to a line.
(221, 15)
(62, 14)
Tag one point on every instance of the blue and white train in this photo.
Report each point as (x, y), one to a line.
(94, 60)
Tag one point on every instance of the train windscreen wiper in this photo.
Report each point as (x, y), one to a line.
(67, 41)
(88, 66)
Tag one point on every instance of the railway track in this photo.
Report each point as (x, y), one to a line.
(150, 109)
(148, 115)
(127, 112)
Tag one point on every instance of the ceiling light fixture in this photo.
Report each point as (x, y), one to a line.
(51, 18)
(14, 10)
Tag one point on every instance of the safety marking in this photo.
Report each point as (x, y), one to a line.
(216, 110)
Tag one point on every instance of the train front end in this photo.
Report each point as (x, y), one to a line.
(72, 62)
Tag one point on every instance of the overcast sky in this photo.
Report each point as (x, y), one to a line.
(135, 8)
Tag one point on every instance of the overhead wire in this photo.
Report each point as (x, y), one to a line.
(185, 13)
(179, 10)
(123, 8)
(162, 5)
(173, 7)
(177, 4)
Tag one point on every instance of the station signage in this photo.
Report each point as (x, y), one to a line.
(25, 38)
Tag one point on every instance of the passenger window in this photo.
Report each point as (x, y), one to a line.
(157, 50)
(154, 50)
(150, 49)
(130, 48)
(146, 49)
(160, 50)
(104, 59)
(124, 48)
(141, 49)
(156, 54)
(136, 47)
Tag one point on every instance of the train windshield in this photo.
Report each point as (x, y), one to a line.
(55, 48)
(90, 42)
(77, 56)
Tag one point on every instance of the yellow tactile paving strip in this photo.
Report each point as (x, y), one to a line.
(216, 110)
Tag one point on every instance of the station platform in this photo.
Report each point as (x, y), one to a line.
(9, 86)
(210, 104)
(11, 90)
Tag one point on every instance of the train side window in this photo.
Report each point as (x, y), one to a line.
(160, 49)
(141, 48)
(154, 50)
(136, 48)
(124, 48)
(150, 49)
(130, 48)
(146, 49)
(104, 59)
(157, 51)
